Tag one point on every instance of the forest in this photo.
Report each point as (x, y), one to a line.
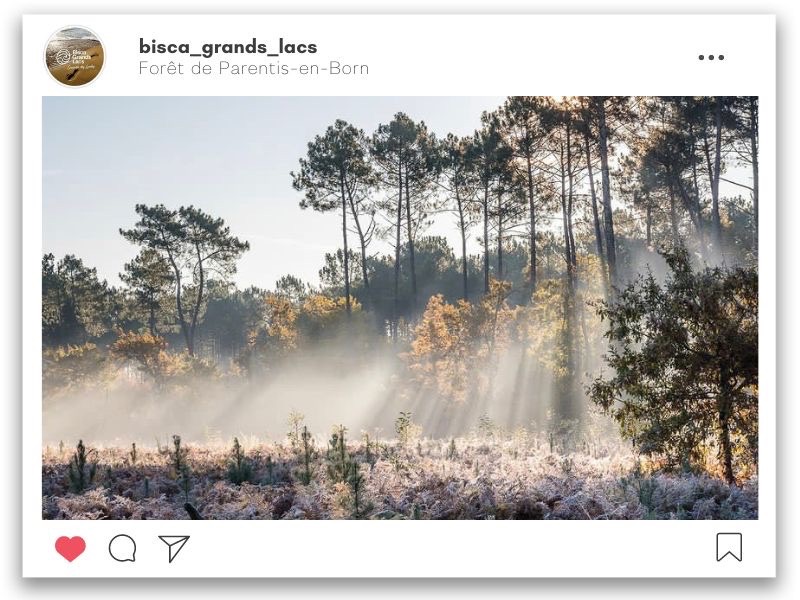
(582, 344)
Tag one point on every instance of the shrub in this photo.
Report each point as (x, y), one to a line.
(239, 468)
(81, 472)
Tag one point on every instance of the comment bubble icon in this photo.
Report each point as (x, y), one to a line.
(122, 548)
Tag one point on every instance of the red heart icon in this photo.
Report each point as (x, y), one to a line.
(70, 548)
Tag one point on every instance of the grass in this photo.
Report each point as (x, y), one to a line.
(474, 477)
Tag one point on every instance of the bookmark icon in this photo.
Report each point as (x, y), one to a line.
(175, 543)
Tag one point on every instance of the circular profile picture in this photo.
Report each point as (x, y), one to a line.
(74, 56)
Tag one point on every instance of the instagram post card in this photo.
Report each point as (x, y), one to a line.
(403, 283)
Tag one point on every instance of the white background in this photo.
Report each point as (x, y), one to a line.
(492, 55)
(10, 310)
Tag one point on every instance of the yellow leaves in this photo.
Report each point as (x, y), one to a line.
(149, 354)
(287, 324)
(67, 367)
(455, 346)
(130, 344)
(280, 316)
(322, 310)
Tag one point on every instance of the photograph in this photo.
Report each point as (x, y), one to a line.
(398, 307)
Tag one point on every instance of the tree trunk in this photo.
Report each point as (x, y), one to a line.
(696, 188)
(152, 318)
(725, 408)
(411, 247)
(567, 245)
(199, 300)
(361, 239)
(486, 238)
(598, 233)
(754, 155)
(500, 236)
(463, 227)
(395, 306)
(570, 201)
(608, 214)
(179, 304)
(532, 212)
(673, 216)
(716, 226)
(346, 258)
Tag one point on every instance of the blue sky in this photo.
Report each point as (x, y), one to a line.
(229, 156)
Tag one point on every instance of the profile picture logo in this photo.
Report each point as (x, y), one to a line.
(74, 56)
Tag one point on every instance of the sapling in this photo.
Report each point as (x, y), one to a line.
(368, 449)
(338, 467)
(294, 435)
(185, 481)
(305, 475)
(270, 471)
(133, 453)
(81, 475)
(178, 455)
(405, 429)
(451, 450)
(356, 482)
(239, 468)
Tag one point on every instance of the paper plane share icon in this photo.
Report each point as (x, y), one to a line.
(175, 543)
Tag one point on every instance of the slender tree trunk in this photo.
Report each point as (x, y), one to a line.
(608, 214)
(179, 303)
(486, 238)
(725, 407)
(567, 245)
(396, 304)
(567, 404)
(346, 259)
(598, 233)
(152, 318)
(570, 201)
(673, 216)
(649, 217)
(361, 240)
(532, 212)
(500, 235)
(409, 224)
(463, 227)
(696, 188)
(716, 226)
(199, 300)
(754, 155)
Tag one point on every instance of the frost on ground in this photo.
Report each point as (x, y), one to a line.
(520, 477)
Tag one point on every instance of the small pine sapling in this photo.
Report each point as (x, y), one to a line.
(239, 468)
(356, 482)
(81, 472)
(178, 455)
(305, 475)
(452, 452)
(338, 462)
(369, 451)
(294, 435)
(405, 429)
(185, 481)
(132, 454)
(270, 471)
